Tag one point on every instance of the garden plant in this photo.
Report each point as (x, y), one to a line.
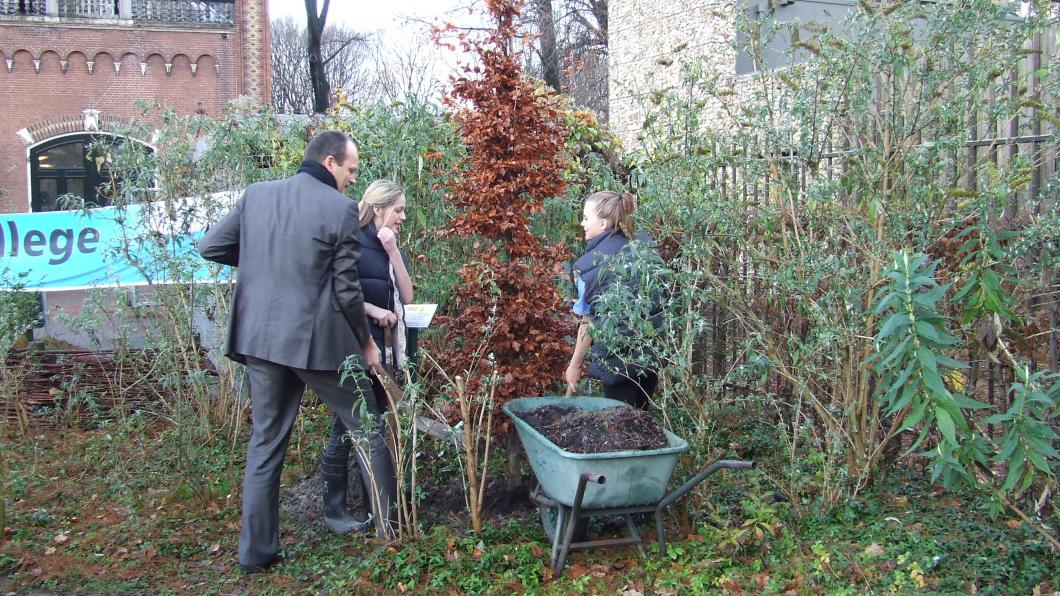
(860, 292)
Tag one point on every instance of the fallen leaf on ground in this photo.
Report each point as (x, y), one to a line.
(874, 550)
(61, 538)
(576, 571)
(49, 551)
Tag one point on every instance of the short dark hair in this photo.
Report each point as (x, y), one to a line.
(329, 142)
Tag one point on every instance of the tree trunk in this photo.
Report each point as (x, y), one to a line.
(318, 78)
(513, 474)
(549, 56)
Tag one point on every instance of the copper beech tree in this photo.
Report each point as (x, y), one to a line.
(515, 159)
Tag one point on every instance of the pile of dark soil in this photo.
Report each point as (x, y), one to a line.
(621, 428)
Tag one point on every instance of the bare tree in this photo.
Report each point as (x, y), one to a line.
(404, 70)
(315, 28)
(343, 52)
(291, 90)
(546, 25)
(585, 53)
(572, 48)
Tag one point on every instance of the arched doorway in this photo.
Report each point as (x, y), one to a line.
(73, 166)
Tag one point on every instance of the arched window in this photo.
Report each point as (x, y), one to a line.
(69, 166)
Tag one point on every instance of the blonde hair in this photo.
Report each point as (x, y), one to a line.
(382, 194)
(615, 208)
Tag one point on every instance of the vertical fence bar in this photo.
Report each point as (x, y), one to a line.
(1012, 208)
(1052, 334)
(990, 393)
(1036, 122)
(971, 156)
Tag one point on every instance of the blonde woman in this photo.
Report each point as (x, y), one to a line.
(387, 287)
(607, 219)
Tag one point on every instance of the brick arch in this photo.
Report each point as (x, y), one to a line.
(21, 60)
(181, 66)
(76, 62)
(10, 52)
(130, 64)
(50, 61)
(102, 55)
(206, 65)
(156, 65)
(68, 124)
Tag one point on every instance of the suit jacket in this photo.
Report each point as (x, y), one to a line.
(298, 300)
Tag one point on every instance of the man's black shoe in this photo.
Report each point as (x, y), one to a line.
(249, 569)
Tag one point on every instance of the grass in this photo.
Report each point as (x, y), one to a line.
(132, 506)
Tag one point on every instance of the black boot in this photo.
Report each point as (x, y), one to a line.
(333, 471)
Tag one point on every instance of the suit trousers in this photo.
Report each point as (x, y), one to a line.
(275, 393)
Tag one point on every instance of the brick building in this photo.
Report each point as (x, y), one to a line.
(71, 68)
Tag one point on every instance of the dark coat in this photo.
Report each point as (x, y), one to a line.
(597, 270)
(374, 271)
(298, 299)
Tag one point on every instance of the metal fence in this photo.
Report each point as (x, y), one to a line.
(184, 11)
(23, 8)
(990, 141)
(174, 12)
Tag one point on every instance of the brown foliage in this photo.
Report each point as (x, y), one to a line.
(514, 136)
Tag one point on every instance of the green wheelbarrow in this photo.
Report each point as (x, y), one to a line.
(573, 487)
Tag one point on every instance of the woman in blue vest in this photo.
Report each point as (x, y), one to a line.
(387, 287)
(607, 219)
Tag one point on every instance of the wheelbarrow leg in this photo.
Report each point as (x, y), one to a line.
(659, 531)
(558, 532)
(572, 521)
(633, 533)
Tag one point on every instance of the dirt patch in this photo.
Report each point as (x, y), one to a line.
(303, 499)
(621, 428)
(498, 500)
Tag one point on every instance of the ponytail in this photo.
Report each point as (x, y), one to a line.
(616, 209)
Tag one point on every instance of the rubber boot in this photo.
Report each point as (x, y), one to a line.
(333, 472)
(380, 483)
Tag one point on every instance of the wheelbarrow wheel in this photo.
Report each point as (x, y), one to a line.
(550, 519)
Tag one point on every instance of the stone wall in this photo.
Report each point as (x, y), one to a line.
(649, 39)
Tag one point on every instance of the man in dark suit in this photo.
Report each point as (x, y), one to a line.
(298, 312)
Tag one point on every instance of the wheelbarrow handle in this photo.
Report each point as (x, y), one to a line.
(597, 478)
(687, 486)
(700, 477)
(585, 478)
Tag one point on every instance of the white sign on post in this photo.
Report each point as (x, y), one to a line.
(418, 316)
